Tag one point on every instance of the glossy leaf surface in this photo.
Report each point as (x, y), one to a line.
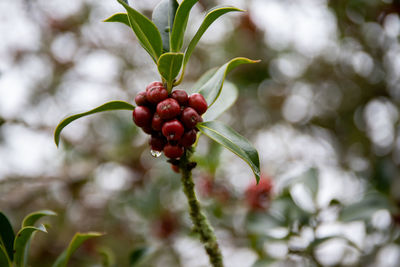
(180, 24)
(33, 217)
(6, 235)
(203, 79)
(145, 30)
(163, 17)
(233, 141)
(212, 88)
(4, 259)
(169, 65)
(113, 105)
(22, 243)
(208, 20)
(227, 98)
(119, 17)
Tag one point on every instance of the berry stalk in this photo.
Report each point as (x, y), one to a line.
(200, 222)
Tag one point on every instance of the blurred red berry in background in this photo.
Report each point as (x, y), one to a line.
(258, 195)
(209, 188)
(166, 225)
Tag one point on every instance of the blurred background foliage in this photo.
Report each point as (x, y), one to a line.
(322, 108)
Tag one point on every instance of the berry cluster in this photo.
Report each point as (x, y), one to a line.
(170, 119)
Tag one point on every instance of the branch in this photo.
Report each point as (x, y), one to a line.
(201, 224)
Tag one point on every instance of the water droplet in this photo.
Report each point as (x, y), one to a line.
(155, 154)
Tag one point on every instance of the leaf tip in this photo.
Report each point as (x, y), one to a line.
(50, 213)
(56, 139)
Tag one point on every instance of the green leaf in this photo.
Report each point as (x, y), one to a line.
(233, 141)
(22, 244)
(75, 243)
(4, 259)
(227, 98)
(6, 235)
(203, 79)
(113, 105)
(119, 17)
(163, 17)
(212, 88)
(363, 210)
(33, 217)
(169, 66)
(180, 23)
(212, 16)
(137, 255)
(107, 257)
(145, 30)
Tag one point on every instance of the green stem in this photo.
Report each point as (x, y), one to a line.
(201, 224)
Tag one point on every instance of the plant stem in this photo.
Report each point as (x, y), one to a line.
(200, 222)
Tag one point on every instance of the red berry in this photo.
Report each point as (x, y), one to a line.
(157, 143)
(175, 168)
(180, 96)
(190, 118)
(141, 99)
(258, 195)
(142, 116)
(188, 138)
(168, 109)
(173, 130)
(157, 122)
(156, 94)
(166, 226)
(154, 84)
(172, 151)
(147, 129)
(206, 186)
(198, 102)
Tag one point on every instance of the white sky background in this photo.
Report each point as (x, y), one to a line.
(305, 26)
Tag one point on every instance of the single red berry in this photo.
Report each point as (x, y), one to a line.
(166, 226)
(258, 195)
(156, 94)
(188, 138)
(154, 84)
(198, 102)
(221, 193)
(142, 116)
(141, 99)
(173, 130)
(147, 129)
(175, 168)
(173, 151)
(168, 109)
(190, 118)
(206, 186)
(180, 96)
(157, 143)
(157, 122)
